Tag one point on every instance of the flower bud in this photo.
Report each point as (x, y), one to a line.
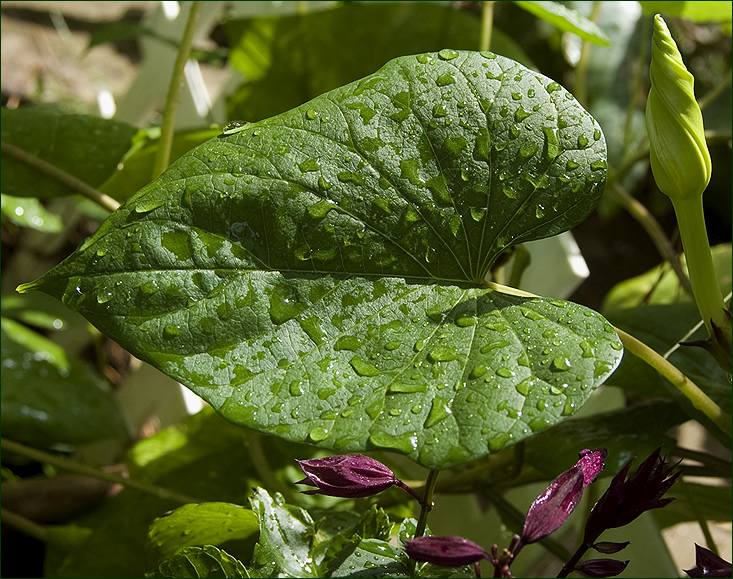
(347, 476)
(554, 505)
(445, 551)
(680, 158)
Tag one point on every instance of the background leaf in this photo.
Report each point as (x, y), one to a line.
(86, 147)
(320, 293)
(566, 20)
(50, 397)
(268, 50)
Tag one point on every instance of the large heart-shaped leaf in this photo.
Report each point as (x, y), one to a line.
(321, 275)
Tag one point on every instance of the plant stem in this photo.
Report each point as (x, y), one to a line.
(581, 68)
(687, 387)
(573, 561)
(639, 212)
(263, 468)
(163, 156)
(61, 176)
(30, 528)
(487, 23)
(426, 505)
(63, 463)
(705, 288)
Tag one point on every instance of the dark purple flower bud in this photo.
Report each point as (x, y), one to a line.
(445, 551)
(346, 475)
(602, 567)
(609, 547)
(625, 500)
(553, 507)
(708, 564)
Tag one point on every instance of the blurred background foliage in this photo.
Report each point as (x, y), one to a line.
(83, 86)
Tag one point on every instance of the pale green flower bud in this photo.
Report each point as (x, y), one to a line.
(680, 158)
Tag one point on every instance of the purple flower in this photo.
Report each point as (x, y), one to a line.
(625, 500)
(552, 508)
(708, 564)
(445, 551)
(347, 475)
(602, 567)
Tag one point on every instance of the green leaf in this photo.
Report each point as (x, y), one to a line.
(29, 212)
(286, 538)
(321, 275)
(566, 20)
(206, 561)
(50, 397)
(660, 285)
(86, 147)
(370, 558)
(40, 310)
(202, 524)
(697, 11)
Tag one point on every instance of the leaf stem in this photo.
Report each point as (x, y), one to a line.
(63, 463)
(23, 524)
(162, 157)
(263, 468)
(426, 505)
(487, 24)
(60, 175)
(687, 387)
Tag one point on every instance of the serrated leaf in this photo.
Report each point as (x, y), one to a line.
(202, 524)
(286, 538)
(321, 275)
(566, 19)
(86, 147)
(50, 397)
(206, 561)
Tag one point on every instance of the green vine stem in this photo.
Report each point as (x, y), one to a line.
(23, 524)
(63, 463)
(487, 23)
(163, 156)
(687, 387)
(60, 175)
(581, 68)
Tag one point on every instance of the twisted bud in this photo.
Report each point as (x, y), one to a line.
(680, 158)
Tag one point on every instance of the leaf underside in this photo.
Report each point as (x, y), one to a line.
(319, 275)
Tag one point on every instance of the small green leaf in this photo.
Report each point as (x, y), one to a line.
(566, 19)
(202, 524)
(321, 275)
(286, 538)
(334, 529)
(29, 212)
(206, 561)
(50, 397)
(86, 147)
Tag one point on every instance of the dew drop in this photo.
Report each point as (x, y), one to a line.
(364, 368)
(505, 372)
(171, 331)
(448, 54)
(439, 410)
(318, 433)
(445, 79)
(561, 364)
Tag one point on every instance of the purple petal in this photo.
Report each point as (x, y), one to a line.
(553, 507)
(609, 547)
(447, 551)
(602, 567)
(708, 564)
(348, 476)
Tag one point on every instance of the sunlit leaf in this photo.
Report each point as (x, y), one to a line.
(321, 275)
(29, 212)
(203, 524)
(566, 19)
